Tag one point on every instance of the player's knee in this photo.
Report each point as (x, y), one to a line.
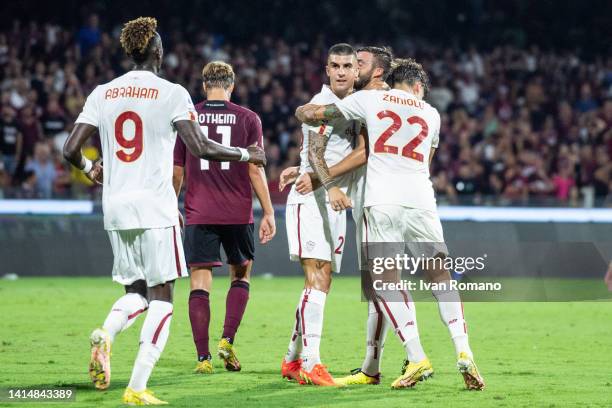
(241, 272)
(139, 287)
(162, 292)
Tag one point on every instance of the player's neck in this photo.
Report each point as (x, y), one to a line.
(146, 66)
(342, 93)
(377, 84)
(217, 95)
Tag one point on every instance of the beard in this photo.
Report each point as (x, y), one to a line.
(363, 80)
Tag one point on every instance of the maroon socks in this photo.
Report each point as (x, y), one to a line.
(235, 305)
(199, 315)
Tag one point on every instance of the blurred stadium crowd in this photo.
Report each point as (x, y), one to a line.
(519, 125)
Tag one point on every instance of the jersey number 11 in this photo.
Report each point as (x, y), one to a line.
(226, 138)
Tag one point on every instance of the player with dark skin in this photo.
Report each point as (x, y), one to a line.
(197, 143)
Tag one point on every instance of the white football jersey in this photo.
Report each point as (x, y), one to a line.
(401, 132)
(339, 145)
(134, 115)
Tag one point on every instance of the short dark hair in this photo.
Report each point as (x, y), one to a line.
(341, 49)
(409, 71)
(383, 57)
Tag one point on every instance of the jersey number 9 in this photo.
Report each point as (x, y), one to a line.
(135, 144)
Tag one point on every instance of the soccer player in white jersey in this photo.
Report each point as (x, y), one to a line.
(316, 233)
(400, 204)
(137, 116)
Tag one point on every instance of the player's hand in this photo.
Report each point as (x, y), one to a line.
(303, 185)
(288, 176)
(96, 172)
(267, 228)
(257, 155)
(338, 200)
(305, 113)
(608, 278)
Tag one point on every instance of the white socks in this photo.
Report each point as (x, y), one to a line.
(124, 313)
(376, 330)
(402, 318)
(451, 313)
(295, 344)
(312, 305)
(153, 338)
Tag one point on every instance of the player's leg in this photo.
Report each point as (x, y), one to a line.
(292, 363)
(318, 276)
(385, 227)
(202, 249)
(127, 308)
(124, 311)
(314, 232)
(153, 338)
(161, 251)
(239, 245)
(449, 301)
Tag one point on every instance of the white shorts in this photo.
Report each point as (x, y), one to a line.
(155, 255)
(315, 230)
(396, 223)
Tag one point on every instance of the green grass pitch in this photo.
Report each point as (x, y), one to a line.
(530, 354)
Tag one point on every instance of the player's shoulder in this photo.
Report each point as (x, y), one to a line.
(242, 110)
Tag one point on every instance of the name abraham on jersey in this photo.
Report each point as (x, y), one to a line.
(131, 92)
(403, 101)
(217, 118)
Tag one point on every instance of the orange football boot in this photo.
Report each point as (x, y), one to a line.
(291, 371)
(318, 376)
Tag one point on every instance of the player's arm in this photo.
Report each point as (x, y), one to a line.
(312, 114)
(357, 158)
(267, 228)
(431, 155)
(178, 174)
(201, 146)
(317, 143)
(72, 151)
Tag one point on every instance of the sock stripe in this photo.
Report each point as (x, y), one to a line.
(159, 328)
(378, 329)
(176, 253)
(298, 231)
(304, 300)
(240, 284)
(399, 332)
(136, 313)
(297, 324)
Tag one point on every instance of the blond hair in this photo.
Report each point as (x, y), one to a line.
(218, 74)
(135, 36)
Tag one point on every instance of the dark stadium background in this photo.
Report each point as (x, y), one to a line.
(524, 89)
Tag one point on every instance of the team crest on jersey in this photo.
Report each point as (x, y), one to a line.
(310, 245)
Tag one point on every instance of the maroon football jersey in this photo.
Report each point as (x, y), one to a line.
(220, 192)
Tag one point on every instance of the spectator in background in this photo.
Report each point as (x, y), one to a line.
(11, 140)
(31, 130)
(43, 167)
(89, 36)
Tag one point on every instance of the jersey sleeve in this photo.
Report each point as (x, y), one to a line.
(90, 113)
(180, 152)
(436, 135)
(181, 106)
(255, 135)
(352, 107)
